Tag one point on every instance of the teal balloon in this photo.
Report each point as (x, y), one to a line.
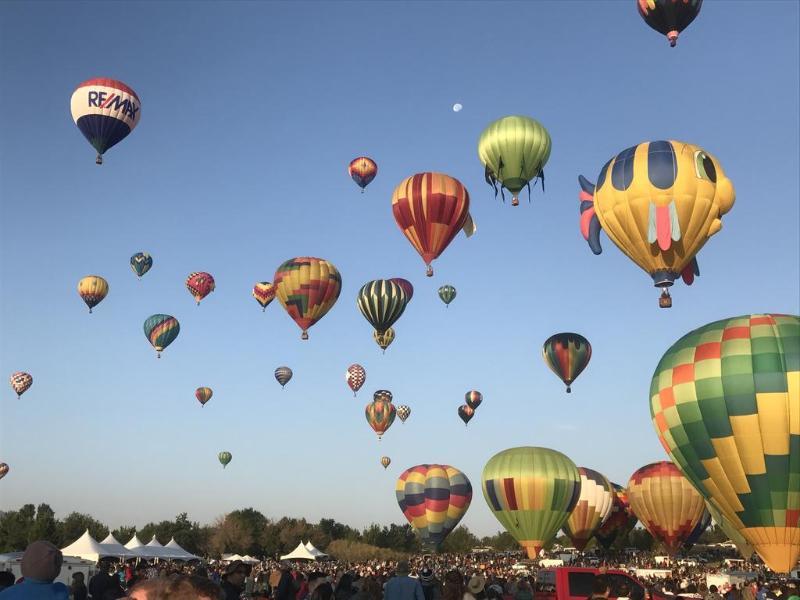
(141, 262)
(161, 331)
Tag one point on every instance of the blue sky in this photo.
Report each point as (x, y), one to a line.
(250, 115)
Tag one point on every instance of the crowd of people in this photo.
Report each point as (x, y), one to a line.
(426, 577)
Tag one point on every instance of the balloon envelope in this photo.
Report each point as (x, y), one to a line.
(355, 376)
(203, 394)
(567, 354)
(264, 293)
(200, 285)
(380, 414)
(92, 289)
(224, 458)
(669, 17)
(382, 302)
(141, 262)
(725, 403)
(20, 382)
(307, 287)
(161, 331)
(621, 520)
(592, 509)
(283, 375)
(433, 498)
(362, 170)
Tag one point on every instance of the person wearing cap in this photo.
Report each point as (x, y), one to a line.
(430, 585)
(233, 580)
(475, 588)
(401, 586)
(41, 564)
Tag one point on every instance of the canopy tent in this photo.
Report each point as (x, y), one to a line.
(179, 553)
(249, 560)
(134, 542)
(114, 548)
(310, 547)
(86, 547)
(299, 553)
(231, 557)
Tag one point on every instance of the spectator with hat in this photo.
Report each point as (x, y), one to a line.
(430, 585)
(41, 564)
(475, 588)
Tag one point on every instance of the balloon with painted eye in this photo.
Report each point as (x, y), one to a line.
(447, 293)
(203, 395)
(264, 293)
(355, 376)
(362, 170)
(92, 289)
(224, 458)
(386, 461)
(141, 262)
(473, 398)
(466, 413)
(200, 285)
(20, 382)
(161, 330)
(403, 412)
(385, 339)
(307, 288)
(283, 375)
(105, 111)
(669, 17)
(567, 355)
(672, 195)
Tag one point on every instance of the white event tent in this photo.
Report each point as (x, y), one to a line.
(134, 544)
(313, 550)
(178, 553)
(113, 548)
(299, 553)
(86, 547)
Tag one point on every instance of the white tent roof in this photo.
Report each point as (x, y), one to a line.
(178, 552)
(114, 548)
(134, 542)
(249, 559)
(231, 557)
(299, 553)
(311, 548)
(86, 547)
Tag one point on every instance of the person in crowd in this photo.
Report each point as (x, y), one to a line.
(233, 580)
(6, 580)
(713, 593)
(430, 585)
(344, 587)
(524, 590)
(104, 585)
(177, 587)
(453, 586)
(600, 588)
(475, 588)
(41, 564)
(370, 589)
(301, 583)
(403, 587)
(78, 589)
(284, 589)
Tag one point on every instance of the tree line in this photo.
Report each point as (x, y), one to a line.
(247, 531)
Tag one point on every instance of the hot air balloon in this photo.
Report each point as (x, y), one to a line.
(355, 376)
(567, 355)
(141, 262)
(466, 413)
(742, 545)
(307, 287)
(433, 498)
(106, 111)
(385, 339)
(385, 395)
(20, 382)
(363, 170)
(698, 530)
(620, 522)
(161, 331)
(386, 461)
(592, 509)
(382, 302)
(514, 151)
(203, 395)
(447, 293)
(4, 469)
(473, 398)
(669, 17)
(403, 412)
(200, 285)
(666, 503)
(283, 375)
(430, 208)
(92, 289)
(224, 458)
(532, 492)
(672, 195)
(264, 293)
(380, 412)
(406, 285)
(725, 403)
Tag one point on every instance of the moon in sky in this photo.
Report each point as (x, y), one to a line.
(457, 107)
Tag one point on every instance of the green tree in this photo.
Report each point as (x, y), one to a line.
(460, 541)
(124, 533)
(73, 526)
(15, 528)
(44, 525)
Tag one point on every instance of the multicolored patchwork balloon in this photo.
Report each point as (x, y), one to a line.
(666, 504)
(380, 413)
(105, 111)
(362, 170)
(203, 395)
(403, 412)
(355, 376)
(141, 262)
(92, 289)
(385, 339)
(20, 382)
(465, 413)
(161, 331)
(744, 547)
(225, 458)
(447, 293)
(433, 498)
(264, 293)
(592, 509)
(200, 285)
(473, 398)
(567, 354)
(430, 209)
(382, 302)
(283, 375)
(307, 287)
(532, 492)
(620, 522)
(725, 402)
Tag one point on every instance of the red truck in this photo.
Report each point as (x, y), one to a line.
(575, 583)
